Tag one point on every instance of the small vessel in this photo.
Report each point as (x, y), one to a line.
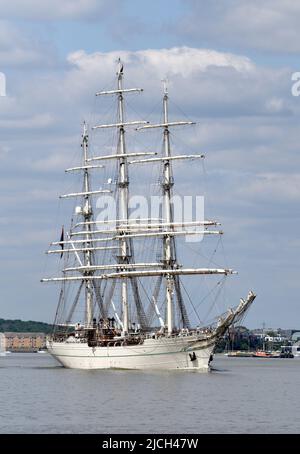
(262, 354)
(239, 354)
(126, 325)
(290, 351)
(266, 354)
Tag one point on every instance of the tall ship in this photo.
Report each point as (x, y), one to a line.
(123, 303)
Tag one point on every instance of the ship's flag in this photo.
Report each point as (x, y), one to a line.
(62, 239)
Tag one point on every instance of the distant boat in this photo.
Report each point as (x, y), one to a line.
(267, 354)
(262, 354)
(292, 350)
(239, 354)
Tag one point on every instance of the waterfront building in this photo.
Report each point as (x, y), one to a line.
(22, 342)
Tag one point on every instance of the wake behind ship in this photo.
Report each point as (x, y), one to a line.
(134, 313)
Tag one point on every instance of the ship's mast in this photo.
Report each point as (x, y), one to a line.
(123, 196)
(167, 184)
(87, 214)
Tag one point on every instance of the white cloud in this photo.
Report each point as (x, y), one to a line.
(183, 61)
(187, 61)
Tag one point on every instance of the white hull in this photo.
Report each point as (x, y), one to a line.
(153, 354)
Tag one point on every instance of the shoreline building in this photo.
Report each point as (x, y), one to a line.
(22, 342)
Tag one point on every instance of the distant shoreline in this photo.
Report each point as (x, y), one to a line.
(20, 326)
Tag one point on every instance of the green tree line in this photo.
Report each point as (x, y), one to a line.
(20, 326)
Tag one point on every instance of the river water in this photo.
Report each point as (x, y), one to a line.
(241, 395)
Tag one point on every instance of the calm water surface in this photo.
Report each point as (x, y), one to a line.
(244, 395)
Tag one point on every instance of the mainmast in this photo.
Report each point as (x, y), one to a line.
(87, 213)
(167, 184)
(123, 196)
(125, 245)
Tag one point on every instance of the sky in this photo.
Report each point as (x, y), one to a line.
(229, 66)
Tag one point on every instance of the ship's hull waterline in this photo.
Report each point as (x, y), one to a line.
(153, 354)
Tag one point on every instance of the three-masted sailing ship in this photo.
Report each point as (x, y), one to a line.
(121, 327)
